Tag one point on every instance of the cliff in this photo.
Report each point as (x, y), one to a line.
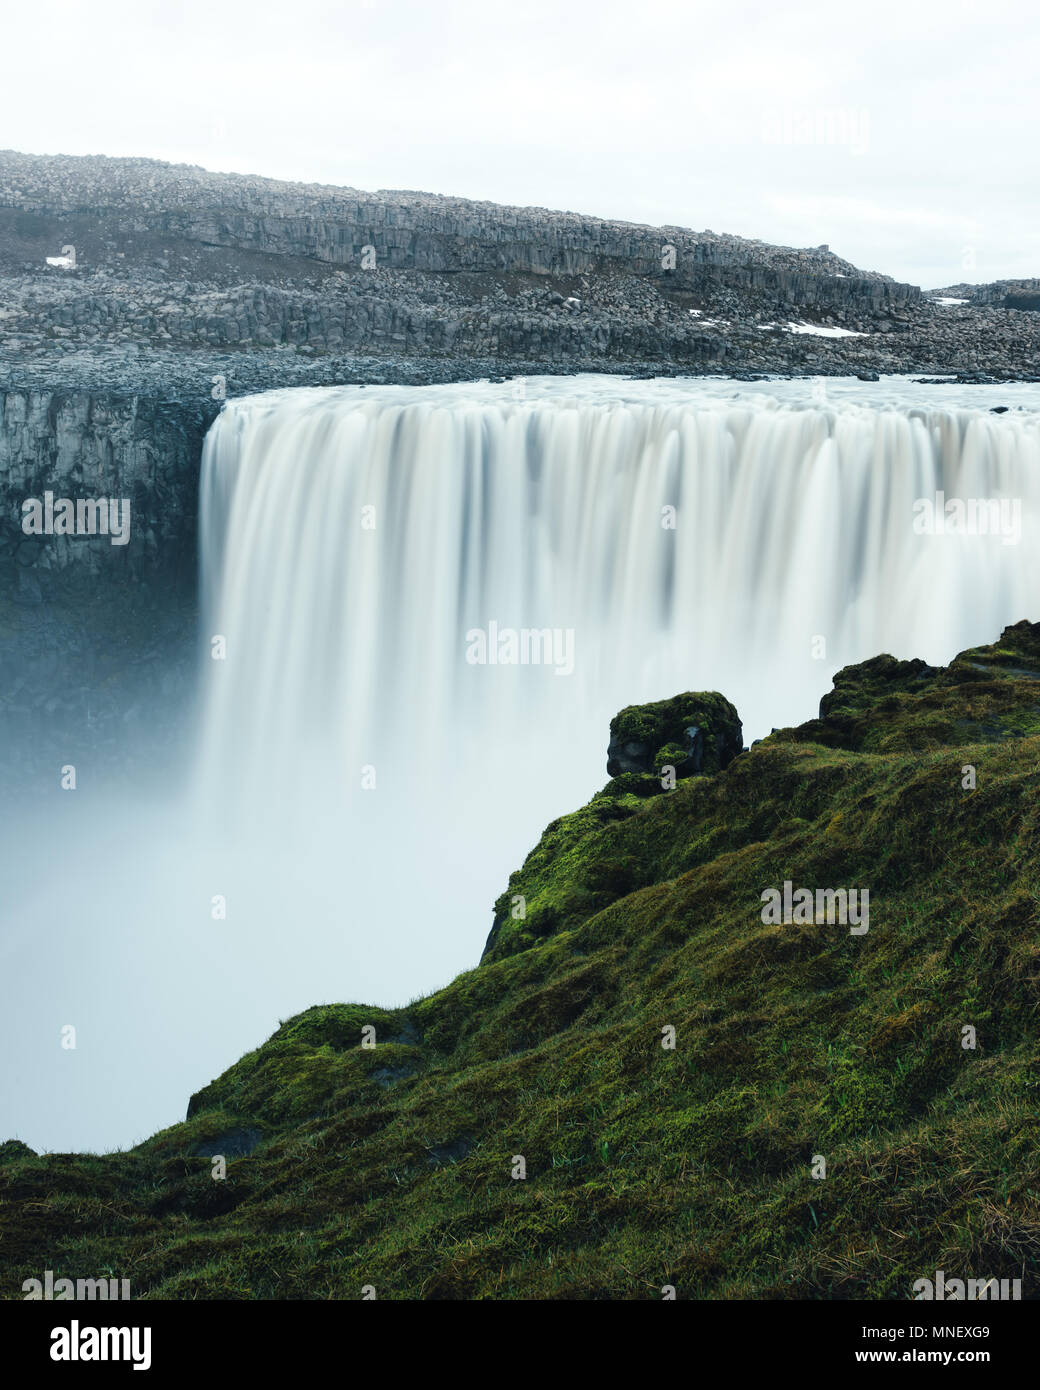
(89, 444)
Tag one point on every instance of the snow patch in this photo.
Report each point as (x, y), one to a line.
(708, 323)
(816, 331)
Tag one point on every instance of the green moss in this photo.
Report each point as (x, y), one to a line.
(702, 728)
(666, 720)
(671, 755)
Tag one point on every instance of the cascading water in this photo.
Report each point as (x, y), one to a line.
(669, 536)
(375, 746)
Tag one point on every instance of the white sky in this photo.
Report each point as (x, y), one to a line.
(683, 112)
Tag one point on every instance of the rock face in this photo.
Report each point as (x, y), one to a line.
(1005, 294)
(692, 733)
(83, 444)
(399, 231)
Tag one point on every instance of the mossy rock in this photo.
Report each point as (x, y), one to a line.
(696, 733)
(866, 685)
(986, 695)
(13, 1149)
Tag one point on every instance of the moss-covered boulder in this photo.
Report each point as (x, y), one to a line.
(696, 733)
(986, 694)
(13, 1149)
(860, 687)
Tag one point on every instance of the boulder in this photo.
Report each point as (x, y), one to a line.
(696, 733)
(13, 1149)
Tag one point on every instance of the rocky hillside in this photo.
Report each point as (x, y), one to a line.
(176, 259)
(649, 1082)
(137, 201)
(1023, 295)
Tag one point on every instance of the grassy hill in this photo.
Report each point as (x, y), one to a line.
(648, 1165)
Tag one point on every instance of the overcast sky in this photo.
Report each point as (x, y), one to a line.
(903, 133)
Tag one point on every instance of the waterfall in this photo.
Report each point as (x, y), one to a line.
(369, 776)
(670, 535)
